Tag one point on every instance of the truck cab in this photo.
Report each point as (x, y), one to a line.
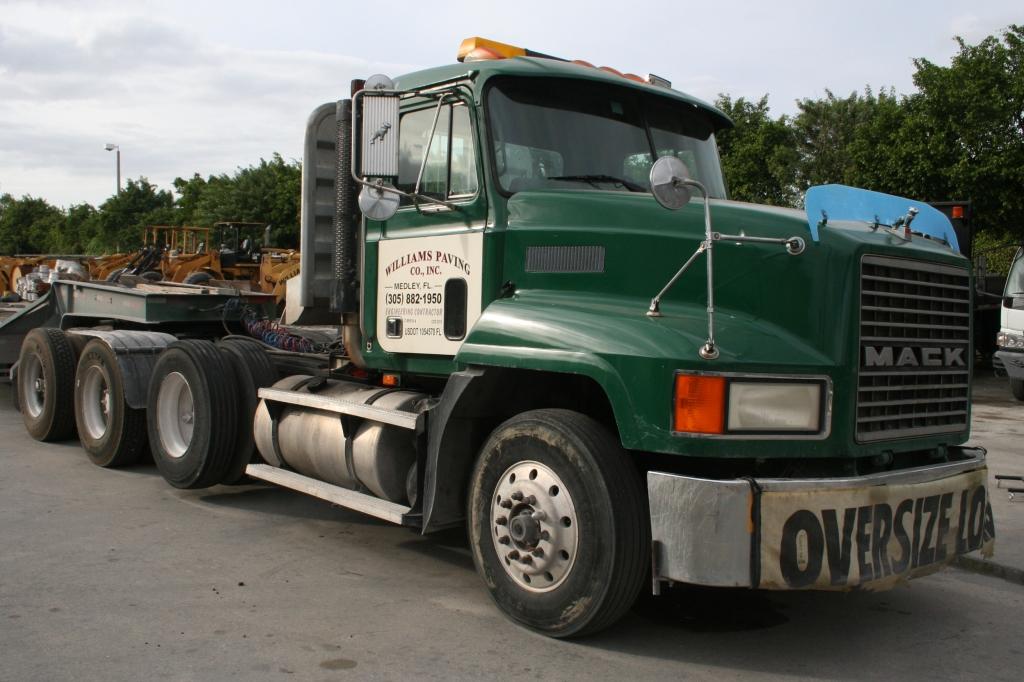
(1010, 340)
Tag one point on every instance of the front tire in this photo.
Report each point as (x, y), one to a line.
(1017, 388)
(558, 524)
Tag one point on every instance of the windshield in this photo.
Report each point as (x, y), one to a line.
(1015, 279)
(568, 134)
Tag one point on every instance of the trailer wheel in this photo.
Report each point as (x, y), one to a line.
(191, 414)
(252, 371)
(112, 433)
(1017, 388)
(557, 523)
(46, 385)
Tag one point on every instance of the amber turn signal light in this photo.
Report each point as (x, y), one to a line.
(699, 404)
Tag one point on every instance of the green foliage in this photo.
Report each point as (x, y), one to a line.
(26, 224)
(759, 155)
(266, 193)
(960, 137)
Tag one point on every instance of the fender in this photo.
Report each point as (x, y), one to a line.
(136, 353)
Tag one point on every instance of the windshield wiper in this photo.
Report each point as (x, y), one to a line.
(594, 179)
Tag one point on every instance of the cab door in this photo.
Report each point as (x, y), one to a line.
(425, 264)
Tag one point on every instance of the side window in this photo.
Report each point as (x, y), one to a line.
(463, 172)
(450, 170)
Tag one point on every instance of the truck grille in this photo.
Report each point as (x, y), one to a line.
(915, 330)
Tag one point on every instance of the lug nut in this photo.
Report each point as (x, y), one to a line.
(517, 496)
(501, 520)
(539, 553)
(513, 555)
(506, 504)
(530, 500)
(544, 535)
(503, 540)
(538, 515)
(527, 559)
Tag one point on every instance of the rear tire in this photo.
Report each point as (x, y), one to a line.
(253, 371)
(198, 278)
(1017, 388)
(557, 523)
(112, 433)
(192, 415)
(46, 385)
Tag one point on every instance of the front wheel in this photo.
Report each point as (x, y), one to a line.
(1017, 388)
(557, 523)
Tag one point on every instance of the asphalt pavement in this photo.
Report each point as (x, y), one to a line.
(113, 575)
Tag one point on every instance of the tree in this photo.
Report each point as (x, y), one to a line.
(26, 224)
(970, 122)
(268, 193)
(759, 154)
(123, 216)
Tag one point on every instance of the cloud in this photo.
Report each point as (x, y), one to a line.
(175, 103)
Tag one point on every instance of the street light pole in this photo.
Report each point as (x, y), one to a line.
(115, 148)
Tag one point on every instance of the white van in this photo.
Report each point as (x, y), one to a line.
(1010, 339)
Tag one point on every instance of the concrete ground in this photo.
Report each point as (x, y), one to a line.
(113, 575)
(998, 425)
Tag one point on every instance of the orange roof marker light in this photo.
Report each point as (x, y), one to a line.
(478, 49)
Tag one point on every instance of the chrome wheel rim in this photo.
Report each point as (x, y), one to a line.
(534, 526)
(175, 414)
(95, 392)
(34, 386)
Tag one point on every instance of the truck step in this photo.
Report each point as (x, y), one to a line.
(399, 418)
(343, 497)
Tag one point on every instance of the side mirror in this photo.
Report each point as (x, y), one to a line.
(669, 182)
(379, 136)
(378, 147)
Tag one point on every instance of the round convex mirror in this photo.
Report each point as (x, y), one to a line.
(667, 176)
(377, 203)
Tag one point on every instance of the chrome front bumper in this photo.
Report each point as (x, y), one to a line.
(867, 532)
(1013, 363)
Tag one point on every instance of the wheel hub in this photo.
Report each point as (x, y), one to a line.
(533, 525)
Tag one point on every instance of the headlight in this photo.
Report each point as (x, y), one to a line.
(763, 406)
(744, 405)
(1010, 341)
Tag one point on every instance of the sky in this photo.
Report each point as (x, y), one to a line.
(185, 87)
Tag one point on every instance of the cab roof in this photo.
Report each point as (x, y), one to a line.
(548, 68)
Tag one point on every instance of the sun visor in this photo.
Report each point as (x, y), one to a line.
(839, 202)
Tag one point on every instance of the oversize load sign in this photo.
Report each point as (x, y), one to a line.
(871, 537)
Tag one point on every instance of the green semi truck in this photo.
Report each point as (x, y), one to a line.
(561, 334)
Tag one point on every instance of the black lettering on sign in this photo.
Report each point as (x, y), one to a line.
(990, 523)
(864, 544)
(837, 544)
(900, 531)
(915, 543)
(926, 553)
(945, 505)
(802, 521)
(880, 532)
(977, 522)
(961, 531)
